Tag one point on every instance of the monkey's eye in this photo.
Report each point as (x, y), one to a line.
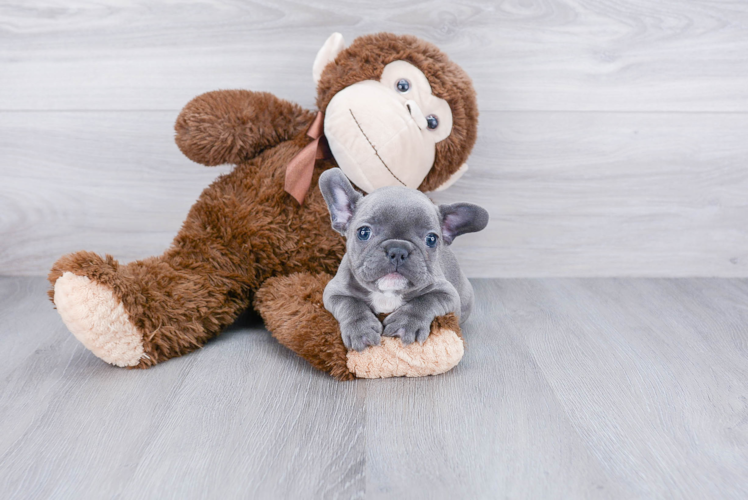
(432, 122)
(403, 85)
(363, 233)
(431, 240)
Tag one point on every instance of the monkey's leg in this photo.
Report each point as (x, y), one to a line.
(145, 312)
(292, 309)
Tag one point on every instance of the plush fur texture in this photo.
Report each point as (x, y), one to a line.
(292, 309)
(233, 126)
(245, 229)
(366, 58)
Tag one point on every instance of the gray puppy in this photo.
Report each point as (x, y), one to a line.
(397, 261)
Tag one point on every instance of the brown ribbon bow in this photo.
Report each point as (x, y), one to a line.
(301, 167)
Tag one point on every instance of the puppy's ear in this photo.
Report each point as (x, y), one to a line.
(461, 218)
(340, 196)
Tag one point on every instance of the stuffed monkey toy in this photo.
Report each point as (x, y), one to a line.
(393, 110)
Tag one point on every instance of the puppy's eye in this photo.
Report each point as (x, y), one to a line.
(403, 85)
(363, 233)
(431, 240)
(432, 122)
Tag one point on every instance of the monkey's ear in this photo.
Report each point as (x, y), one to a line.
(340, 197)
(327, 54)
(461, 218)
(453, 178)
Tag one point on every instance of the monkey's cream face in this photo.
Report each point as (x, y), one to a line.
(384, 133)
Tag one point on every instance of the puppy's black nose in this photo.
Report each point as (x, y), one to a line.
(397, 255)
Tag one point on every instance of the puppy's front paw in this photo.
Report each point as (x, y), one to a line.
(362, 333)
(407, 324)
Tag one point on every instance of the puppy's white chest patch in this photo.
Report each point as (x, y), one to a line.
(385, 302)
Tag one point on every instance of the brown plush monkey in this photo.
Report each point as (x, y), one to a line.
(394, 111)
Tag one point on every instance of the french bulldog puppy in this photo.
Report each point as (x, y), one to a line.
(397, 261)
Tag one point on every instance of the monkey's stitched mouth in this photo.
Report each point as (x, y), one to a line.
(374, 148)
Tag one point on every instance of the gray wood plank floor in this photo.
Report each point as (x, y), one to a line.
(570, 388)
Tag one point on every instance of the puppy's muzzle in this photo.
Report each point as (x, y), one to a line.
(397, 251)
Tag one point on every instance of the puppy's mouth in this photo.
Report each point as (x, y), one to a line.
(392, 282)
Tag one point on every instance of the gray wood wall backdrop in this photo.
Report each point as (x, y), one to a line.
(613, 135)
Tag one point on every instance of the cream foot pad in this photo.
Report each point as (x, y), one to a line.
(440, 353)
(98, 319)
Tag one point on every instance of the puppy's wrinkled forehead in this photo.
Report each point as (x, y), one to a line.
(398, 207)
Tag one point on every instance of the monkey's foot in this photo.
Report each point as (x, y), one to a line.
(441, 352)
(98, 320)
(293, 310)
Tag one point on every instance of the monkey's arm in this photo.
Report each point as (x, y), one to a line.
(232, 126)
(412, 320)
